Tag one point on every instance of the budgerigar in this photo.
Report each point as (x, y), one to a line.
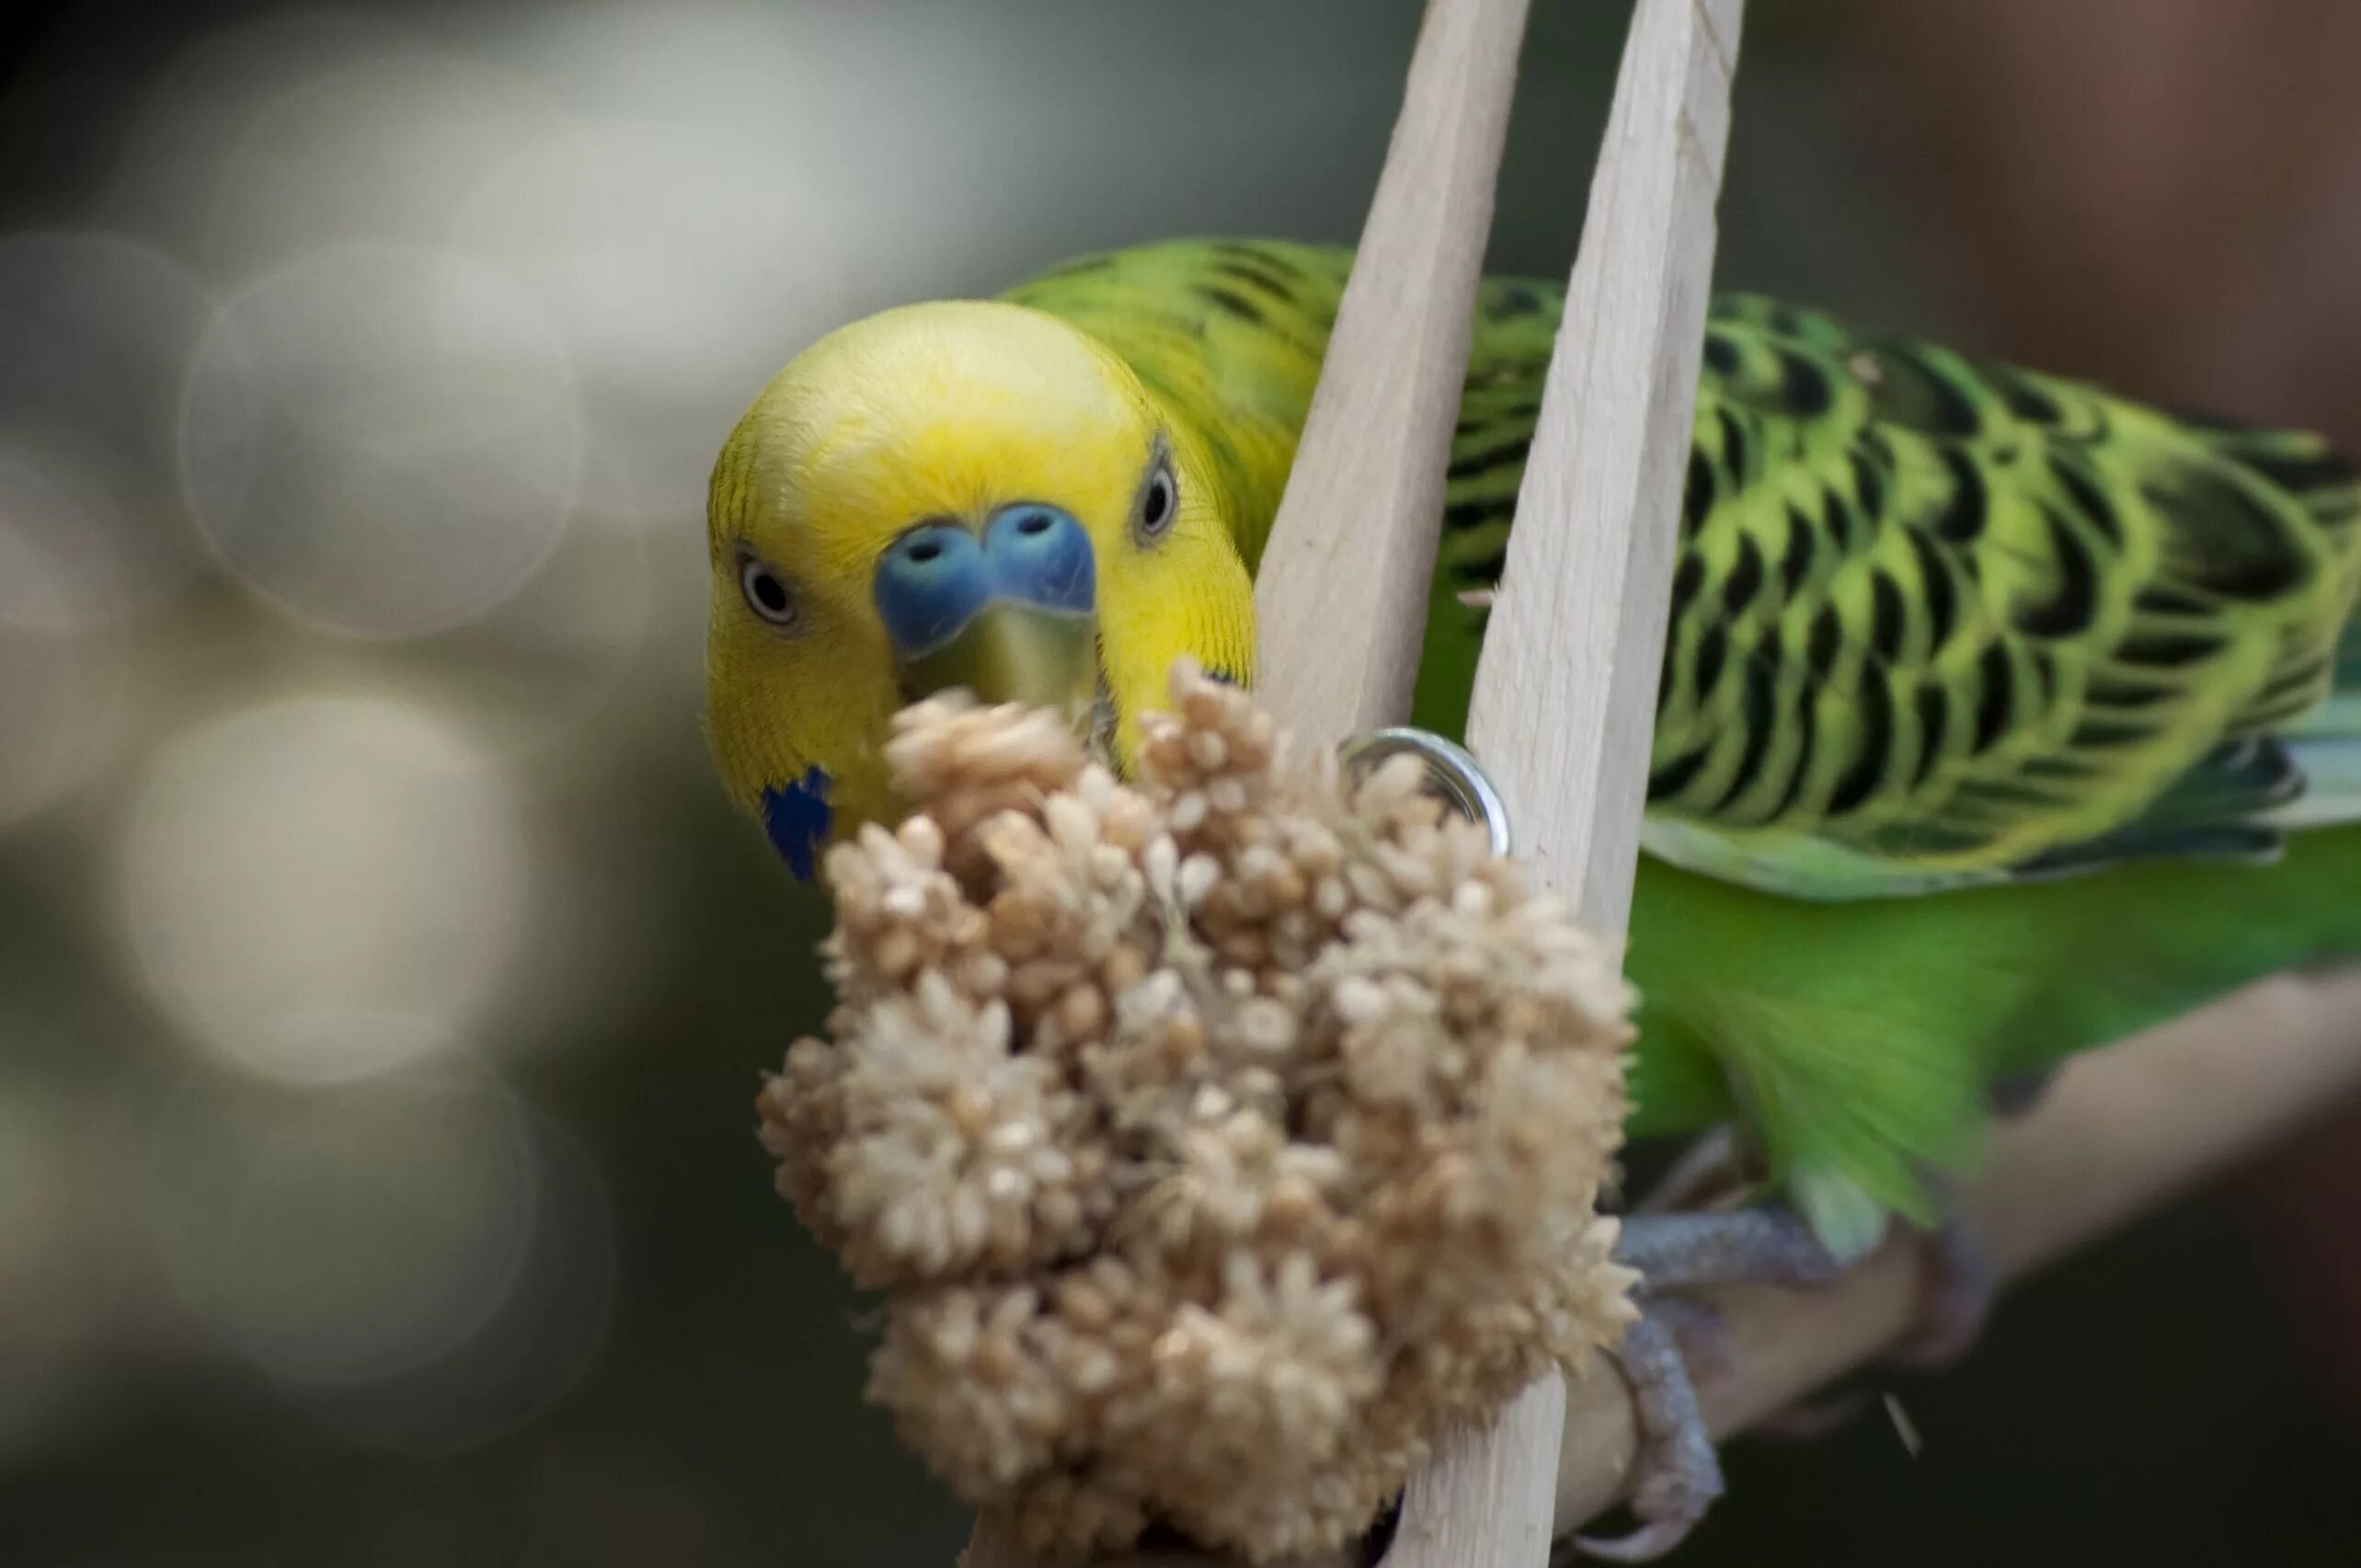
(1999, 717)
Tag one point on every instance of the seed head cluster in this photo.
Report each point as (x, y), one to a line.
(1218, 1137)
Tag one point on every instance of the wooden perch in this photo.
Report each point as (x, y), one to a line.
(2124, 1130)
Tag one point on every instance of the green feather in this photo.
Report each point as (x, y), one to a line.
(2001, 717)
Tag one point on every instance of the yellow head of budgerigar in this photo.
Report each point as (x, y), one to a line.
(951, 495)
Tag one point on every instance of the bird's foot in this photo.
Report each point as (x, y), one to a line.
(1960, 1286)
(1702, 1336)
(1765, 1243)
(1676, 1475)
(1682, 1344)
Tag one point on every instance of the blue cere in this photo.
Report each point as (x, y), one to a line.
(796, 819)
(930, 583)
(1041, 556)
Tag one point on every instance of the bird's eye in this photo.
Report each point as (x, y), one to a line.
(767, 592)
(1159, 502)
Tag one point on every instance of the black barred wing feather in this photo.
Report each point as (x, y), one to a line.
(1936, 622)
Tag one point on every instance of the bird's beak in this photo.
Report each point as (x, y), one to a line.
(1011, 651)
(1010, 616)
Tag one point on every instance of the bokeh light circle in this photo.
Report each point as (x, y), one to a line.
(377, 143)
(421, 1261)
(681, 264)
(97, 334)
(206, 104)
(49, 707)
(365, 1232)
(382, 440)
(324, 887)
(60, 1225)
(542, 1335)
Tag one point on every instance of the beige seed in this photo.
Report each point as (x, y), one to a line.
(1124, 968)
(897, 953)
(1184, 1039)
(1245, 949)
(1033, 984)
(1081, 1012)
(1203, 708)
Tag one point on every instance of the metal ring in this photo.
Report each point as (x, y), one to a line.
(1457, 775)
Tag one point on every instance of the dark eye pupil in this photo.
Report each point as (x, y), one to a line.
(1160, 500)
(770, 592)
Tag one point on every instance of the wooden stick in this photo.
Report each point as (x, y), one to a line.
(2122, 1132)
(1565, 688)
(1564, 698)
(1340, 596)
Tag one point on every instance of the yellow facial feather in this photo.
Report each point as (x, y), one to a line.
(937, 413)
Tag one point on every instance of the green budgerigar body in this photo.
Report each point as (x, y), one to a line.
(1999, 717)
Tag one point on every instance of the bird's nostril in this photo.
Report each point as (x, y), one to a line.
(928, 583)
(1040, 557)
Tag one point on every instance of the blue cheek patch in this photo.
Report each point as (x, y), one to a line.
(796, 819)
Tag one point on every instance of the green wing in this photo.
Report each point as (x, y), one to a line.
(1937, 622)
(1934, 621)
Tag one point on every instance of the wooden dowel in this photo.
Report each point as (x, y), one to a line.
(1564, 693)
(2122, 1132)
(1340, 597)
(1565, 688)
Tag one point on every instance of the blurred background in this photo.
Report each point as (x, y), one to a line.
(384, 983)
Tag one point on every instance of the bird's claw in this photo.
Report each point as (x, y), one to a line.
(1645, 1544)
(1676, 1475)
(1702, 1336)
(1961, 1284)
